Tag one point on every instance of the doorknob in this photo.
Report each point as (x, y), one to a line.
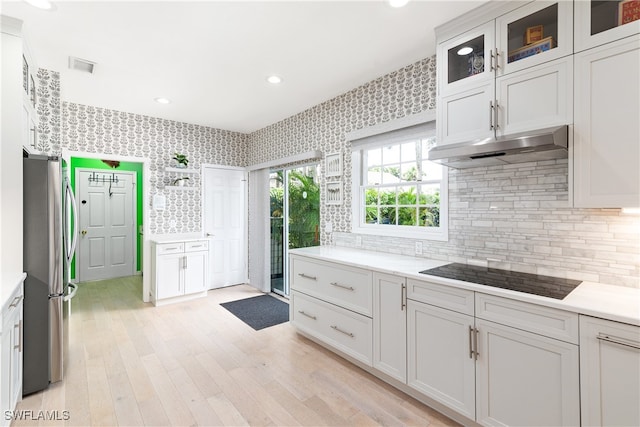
(83, 232)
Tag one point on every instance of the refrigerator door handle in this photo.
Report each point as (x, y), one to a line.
(74, 209)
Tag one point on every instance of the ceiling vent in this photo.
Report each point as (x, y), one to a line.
(81, 65)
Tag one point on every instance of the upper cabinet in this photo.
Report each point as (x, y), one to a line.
(512, 73)
(601, 22)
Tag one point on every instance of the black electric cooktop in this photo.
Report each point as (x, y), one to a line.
(546, 286)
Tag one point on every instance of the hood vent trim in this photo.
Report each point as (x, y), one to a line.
(544, 144)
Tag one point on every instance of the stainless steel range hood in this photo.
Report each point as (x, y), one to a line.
(544, 144)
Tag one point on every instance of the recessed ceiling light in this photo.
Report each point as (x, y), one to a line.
(40, 4)
(465, 51)
(274, 80)
(398, 3)
(163, 100)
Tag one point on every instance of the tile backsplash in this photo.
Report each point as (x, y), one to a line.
(517, 217)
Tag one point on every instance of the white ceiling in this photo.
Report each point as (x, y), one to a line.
(211, 58)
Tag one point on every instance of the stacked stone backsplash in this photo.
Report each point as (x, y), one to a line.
(517, 217)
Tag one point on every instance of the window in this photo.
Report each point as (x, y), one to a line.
(397, 191)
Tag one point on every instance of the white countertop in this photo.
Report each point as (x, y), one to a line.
(175, 238)
(610, 302)
(9, 284)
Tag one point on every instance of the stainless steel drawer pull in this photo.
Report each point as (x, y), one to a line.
(16, 301)
(475, 343)
(19, 345)
(338, 285)
(341, 331)
(171, 249)
(196, 246)
(471, 352)
(308, 315)
(620, 341)
(307, 276)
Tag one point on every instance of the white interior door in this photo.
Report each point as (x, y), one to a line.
(106, 215)
(225, 223)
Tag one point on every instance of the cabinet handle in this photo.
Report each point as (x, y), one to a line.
(307, 277)
(403, 293)
(19, 345)
(349, 334)
(497, 60)
(471, 352)
(496, 111)
(619, 341)
(185, 263)
(491, 112)
(338, 285)
(308, 315)
(16, 301)
(475, 344)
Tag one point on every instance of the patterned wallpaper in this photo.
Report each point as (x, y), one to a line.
(514, 214)
(89, 129)
(48, 107)
(99, 130)
(407, 91)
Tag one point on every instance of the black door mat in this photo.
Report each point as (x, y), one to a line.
(259, 312)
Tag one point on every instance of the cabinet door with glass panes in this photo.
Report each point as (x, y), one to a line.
(466, 61)
(538, 32)
(601, 22)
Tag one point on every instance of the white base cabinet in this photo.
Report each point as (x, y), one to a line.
(179, 271)
(11, 354)
(609, 373)
(525, 379)
(390, 325)
(441, 362)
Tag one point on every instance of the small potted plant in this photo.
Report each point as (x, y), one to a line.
(182, 160)
(180, 181)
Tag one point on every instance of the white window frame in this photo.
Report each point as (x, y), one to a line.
(440, 233)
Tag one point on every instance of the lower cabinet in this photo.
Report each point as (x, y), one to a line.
(493, 360)
(440, 355)
(390, 325)
(178, 270)
(610, 373)
(525, 379)
(343, 329)
(11, 354)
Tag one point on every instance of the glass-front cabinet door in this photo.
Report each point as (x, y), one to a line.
(467, 59)
(538, 32)
(600, 22)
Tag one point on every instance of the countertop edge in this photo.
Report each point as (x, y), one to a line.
(610, 302)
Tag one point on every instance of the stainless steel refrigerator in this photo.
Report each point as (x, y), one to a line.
(48, 250)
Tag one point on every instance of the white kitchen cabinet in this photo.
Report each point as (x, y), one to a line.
(609, 373)
(11, 353)
(535, 98)
(390, 325)
(600, 22)
(606, 153)
(179, 270)
(504, 86)
(440, 358)
(342, 329)
(525, 379)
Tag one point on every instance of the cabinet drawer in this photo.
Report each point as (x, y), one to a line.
(348, 332)
(201, 245)
(347, 287)
(546, 321)
(169, 248)
(14, 301)
(460, 300)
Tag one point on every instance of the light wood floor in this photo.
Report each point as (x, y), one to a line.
(194, 363)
